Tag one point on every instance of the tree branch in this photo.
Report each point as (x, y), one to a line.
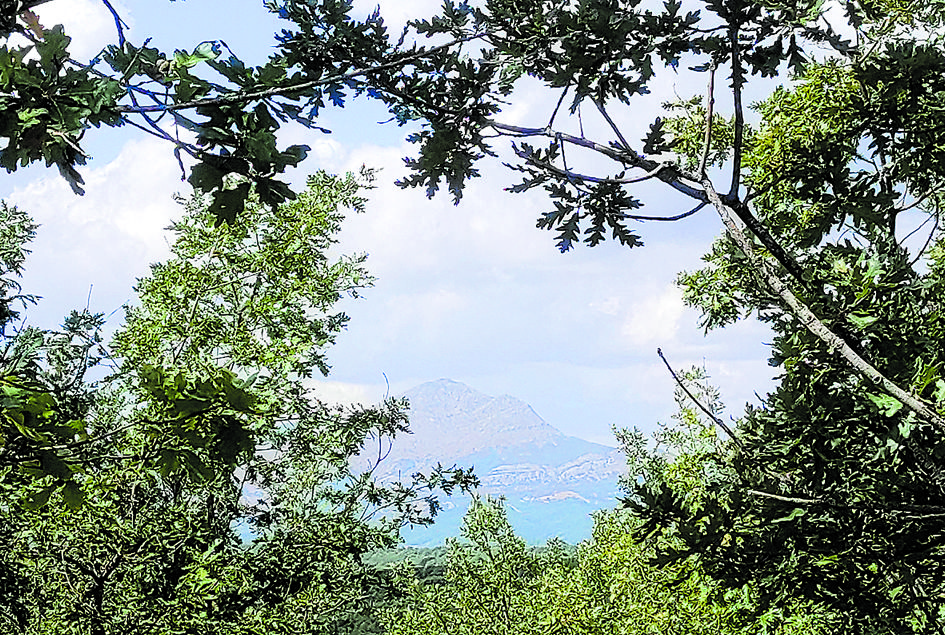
(717, 420)
(240, 97)
(710, 107)
(554, 113)
(936, 510)
(668, 173)
(807, 317)
(773, 246)
(613, 126)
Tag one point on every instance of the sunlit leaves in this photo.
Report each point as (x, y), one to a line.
(685, 123)
(145, 492)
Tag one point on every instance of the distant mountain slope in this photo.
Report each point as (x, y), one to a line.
(552, 482)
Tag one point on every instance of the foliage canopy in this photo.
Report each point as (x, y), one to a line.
(200, 487)
(832, 491)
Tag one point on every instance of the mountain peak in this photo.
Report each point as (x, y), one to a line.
(449, 418)
(514, 452)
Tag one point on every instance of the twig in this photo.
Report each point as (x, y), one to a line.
(717, 420)
(914, 231)
(667, 218)
(570, 174)
(119, 23)
(937, 510)
(613, 126)
(193, 310)
(928, 241)
(69, 141)
(554, 113)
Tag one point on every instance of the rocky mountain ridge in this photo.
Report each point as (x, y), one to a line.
(552, 482)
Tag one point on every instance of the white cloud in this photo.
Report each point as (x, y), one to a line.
(88, 22)
(396, 13)
(427, 311)
(654, 318)
(473, 292)
(106, 238)
(403, 231)
(343, 393)
(607, 306)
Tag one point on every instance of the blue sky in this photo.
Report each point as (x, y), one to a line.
(474, 292)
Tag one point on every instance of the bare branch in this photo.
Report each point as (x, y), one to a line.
(929, 511)
(554, 113)
(717, 420)
(120, 24)
(571, 174)
(710, 107)
(928, 241)
(668, 173)
(667, 218)
(917, 229)
(613, 126)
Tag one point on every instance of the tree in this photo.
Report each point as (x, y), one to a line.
(208, 404)
(456, 95)
(846, 454)
(685, 462)
(492, 583)
(833, 492)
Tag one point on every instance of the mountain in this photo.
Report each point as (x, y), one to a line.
(551, 482)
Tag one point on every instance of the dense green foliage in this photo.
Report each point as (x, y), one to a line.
(613, 583)
(200, 487)
(829, 494)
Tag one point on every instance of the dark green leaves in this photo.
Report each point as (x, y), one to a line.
(655, 141)
(46, 105)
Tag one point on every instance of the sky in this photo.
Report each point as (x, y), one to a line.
(472, 292)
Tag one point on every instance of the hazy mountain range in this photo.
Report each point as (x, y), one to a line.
(551, 482)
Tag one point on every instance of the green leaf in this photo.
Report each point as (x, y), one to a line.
(862, 321)
(906, 427)
(237, 398)
(797, 512)
(38, 499)
(228, 203)
(72, 495)
(205, 177)
(939, 394)
(889, 406)
(53, 465)
(189, 407)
